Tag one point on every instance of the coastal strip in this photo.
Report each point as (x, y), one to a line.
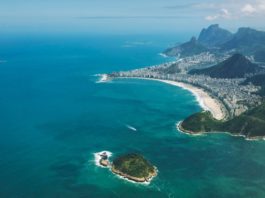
(191, 133)
(182, 130)
(127, 177)
(207, 102)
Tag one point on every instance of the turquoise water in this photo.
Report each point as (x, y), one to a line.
(54, 117)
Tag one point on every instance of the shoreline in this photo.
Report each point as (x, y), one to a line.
(191, 133)
(133, 179)
(207, 102)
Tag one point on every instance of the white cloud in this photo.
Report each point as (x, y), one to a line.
(236, 9)
(248, 9)
(261, 6)
(223, 13)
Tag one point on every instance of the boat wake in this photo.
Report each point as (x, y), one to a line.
(131, 127)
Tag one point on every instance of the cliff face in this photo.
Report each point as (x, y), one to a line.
(189, 48)
(214, 36)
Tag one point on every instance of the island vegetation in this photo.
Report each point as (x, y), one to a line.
(134, 167)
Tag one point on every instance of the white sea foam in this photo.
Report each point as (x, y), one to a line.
(103, 78)
(140, 183)
(163, 55)
(190, 134)
(178, 124)
(97, 157)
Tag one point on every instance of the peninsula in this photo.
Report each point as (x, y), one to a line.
(228, 85)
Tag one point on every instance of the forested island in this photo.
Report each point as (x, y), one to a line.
(132, 166)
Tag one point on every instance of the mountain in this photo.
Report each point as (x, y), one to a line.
(189, 48)
(259, 55)
(251, 124)
(237, 66)
(214, 36)
(246, 41)
(172, 69)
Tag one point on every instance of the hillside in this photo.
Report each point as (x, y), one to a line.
(189, 48)
(214, 36)
(246, 41)
(250, 124)
(259, 55)
(236, 66)
(258, 80)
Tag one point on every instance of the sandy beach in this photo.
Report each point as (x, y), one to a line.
(207, 102)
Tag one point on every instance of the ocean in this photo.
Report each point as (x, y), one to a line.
(54, 117)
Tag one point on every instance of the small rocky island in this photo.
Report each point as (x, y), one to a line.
(132, 166)
(104, 159)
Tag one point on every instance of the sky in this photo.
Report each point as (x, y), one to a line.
(128, 16)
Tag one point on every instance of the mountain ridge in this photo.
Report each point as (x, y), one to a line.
(217, 40)
(191, 47)
(237, 66)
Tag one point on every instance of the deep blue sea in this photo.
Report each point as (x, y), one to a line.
(54, 117)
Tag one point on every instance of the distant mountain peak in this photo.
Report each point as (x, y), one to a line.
(246, 29)
(246, 40)
(217, 40)
(214, 36)
(213, 26)
(193, 40)
(186, 49)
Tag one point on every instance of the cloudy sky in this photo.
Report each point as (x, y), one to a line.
(125, 16)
